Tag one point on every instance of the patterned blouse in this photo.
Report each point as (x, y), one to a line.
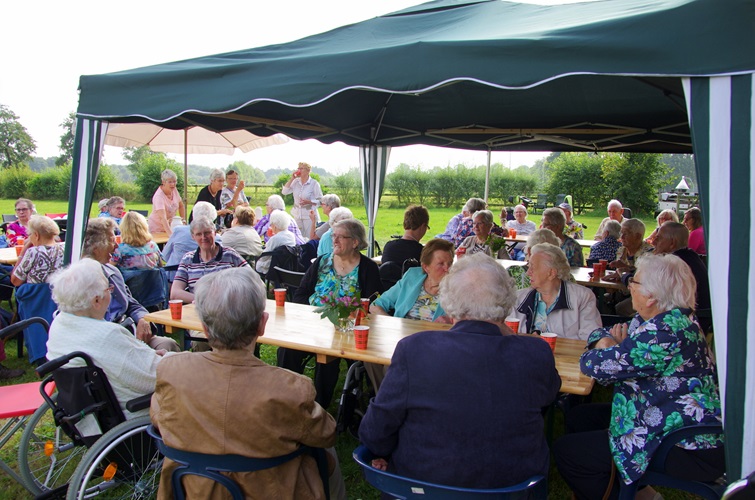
(38, 263)
(606, 249)
(328, 281)
(573, 252)
(573, 229)
(664, 378)
(424, 307)
(623, 255)
(143, 257)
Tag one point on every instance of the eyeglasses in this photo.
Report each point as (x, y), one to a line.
(477, 224)
(22, 210)
(341, 237)
(633, 281)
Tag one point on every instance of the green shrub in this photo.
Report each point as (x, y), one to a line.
(148, 174)
(106, 183)
(52, 184)
(126, 190)
(14, 181)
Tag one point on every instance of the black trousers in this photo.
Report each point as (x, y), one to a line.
(326, 374)
(584, 458)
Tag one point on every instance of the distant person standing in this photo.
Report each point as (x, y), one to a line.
(166, 202)
(307, 195)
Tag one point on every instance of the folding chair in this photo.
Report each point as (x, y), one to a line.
(291, 280)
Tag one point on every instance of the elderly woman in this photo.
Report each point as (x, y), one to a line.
(181, 242)
(522, 226)
(83, 295)
(665, 216)
(19, 228)
(553, 303)
(482, 240)
(344, 272)
(208, 258)
(328, 203)
(415, 296)
(555, 220)
(165, 203)
(42, 256)
(232, 195)
(137, 250)
(326, 242)
(693, 220)
(465, 227)
(519, 273)
(307, 194)
(282, 237)
(453, 225)
(663, 376)
(416, 224)
(615, 212)
(275, 202)
(241, 236)
(607, 247)
(99, 245)
(211, 194)
(114, 209)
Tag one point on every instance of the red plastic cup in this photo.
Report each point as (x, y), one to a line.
(597, 269)
(512, 233)
(604, 263)
(280, 297)
(19, 248)
(176, 307)
(513, 323)
(361, 334)
(118, 239)
(365, 306)
(20, 240)
(461, 251)
(550, 338)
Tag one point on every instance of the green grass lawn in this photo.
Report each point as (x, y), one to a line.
(390, 222)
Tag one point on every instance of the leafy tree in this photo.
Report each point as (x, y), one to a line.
(66, 140)
(347, 186)
(247, 173)
(401, 182)
(16, 145)
(148, 173)
(580, 175)
(634, 179)
(680, 165)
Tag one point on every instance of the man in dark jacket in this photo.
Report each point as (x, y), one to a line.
(463, 407)
(672, 238)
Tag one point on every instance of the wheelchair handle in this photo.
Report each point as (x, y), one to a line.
(58, 362)
(21, 325)
(139, 403)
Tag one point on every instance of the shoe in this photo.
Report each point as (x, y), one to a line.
(9, 373)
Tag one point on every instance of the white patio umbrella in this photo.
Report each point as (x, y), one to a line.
(192, 140)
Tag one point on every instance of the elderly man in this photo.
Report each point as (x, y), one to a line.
(615, 212)
(430, 434)
(555, 220)
(573, 228)
(227, 401)
(673, 237)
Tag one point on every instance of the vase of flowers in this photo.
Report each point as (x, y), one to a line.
(340, 310)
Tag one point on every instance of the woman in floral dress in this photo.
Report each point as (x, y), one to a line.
(138, 250)
(664, 378)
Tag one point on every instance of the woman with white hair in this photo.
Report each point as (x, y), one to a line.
(181, 242)
(42, 256)
(465, 227)
(519, 273)
(282, 237)
(211, 194)
(523, 227)
(483, 241)
(83, 295)
(663, 375)
(165, 203)
(608, 246)
(326, 242)
(328, 203)
(665, 216)
(275, 202)
(553, 303)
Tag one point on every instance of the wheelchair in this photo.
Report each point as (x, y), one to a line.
(355, 397)
(80, 444)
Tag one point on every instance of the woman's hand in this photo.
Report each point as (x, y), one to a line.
(619, 332)
(380, 464)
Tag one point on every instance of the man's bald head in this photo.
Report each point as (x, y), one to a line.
(672, 236)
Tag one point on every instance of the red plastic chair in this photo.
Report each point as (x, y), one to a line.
(57, 216)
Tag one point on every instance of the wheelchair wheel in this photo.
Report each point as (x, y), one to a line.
(123, 463)
(47, 457)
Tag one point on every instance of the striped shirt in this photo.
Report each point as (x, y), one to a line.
(192, 268)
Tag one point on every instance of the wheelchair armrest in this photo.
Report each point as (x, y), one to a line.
(139, 403)
(658, 462)
(21, 325)
(58, 362)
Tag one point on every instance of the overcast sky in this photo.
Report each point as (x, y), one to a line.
(47, 45)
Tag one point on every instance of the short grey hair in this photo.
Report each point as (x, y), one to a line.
(199, 224)
(520, 206)
(44, 226)
(615, 203)
(355, 229)
(167, 175)
(614, 229)
(555, 215)
(331, 200)
(485, 216)
(542, 236)
(114, 200)
(217, 173)
(76, 286)
(556, 257)
(634, 226)
(667, 214)
(667, 279)
(276, 202)
(231, 323)
(98, 234)
(204, 210)
(677, 233)
(338, 214)
(475, 205)
(479, 272)
(280, 220)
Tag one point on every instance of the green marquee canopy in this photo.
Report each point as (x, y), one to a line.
(617, 75)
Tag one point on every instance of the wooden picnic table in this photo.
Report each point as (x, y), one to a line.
(160, 238)
(297, 326)
(581, 276)
(523, 239)
(8, 256)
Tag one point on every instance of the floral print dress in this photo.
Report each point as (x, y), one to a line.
(664, 378)
(329, 282)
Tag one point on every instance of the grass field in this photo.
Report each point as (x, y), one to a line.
(389, 223)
